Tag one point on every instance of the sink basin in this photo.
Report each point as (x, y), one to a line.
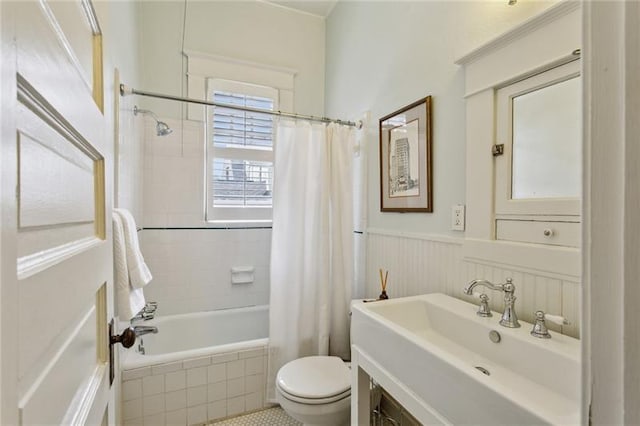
(440, 350)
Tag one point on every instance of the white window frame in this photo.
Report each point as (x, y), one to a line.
(235, 214)
(204, 66)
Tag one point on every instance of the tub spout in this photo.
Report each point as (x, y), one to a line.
(141, 330)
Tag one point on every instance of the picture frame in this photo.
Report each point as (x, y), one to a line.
(406, 171)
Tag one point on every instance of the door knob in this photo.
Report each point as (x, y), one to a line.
(127, 338)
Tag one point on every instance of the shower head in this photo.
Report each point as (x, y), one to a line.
(162, 128)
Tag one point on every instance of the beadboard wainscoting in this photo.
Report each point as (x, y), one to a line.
(422, 263)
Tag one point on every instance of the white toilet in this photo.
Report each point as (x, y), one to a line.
(315, 390)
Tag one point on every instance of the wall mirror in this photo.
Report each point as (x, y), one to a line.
(546, 141)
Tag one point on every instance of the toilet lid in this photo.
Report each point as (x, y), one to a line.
(315, 377)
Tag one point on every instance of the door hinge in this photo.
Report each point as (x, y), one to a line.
(497, 149)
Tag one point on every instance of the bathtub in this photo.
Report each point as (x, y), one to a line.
(198, 367)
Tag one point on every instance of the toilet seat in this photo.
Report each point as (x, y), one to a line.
(314, 380)
(315, 401)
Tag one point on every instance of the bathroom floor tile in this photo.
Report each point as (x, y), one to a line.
(272, 416)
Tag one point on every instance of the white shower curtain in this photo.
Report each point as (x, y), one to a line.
(312, 243)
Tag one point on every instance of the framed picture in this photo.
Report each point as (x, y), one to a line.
(405, 159)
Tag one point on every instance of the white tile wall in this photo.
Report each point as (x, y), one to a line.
(176, 418)
(200, 390)
(175, 380)
(217, 372)
(130, 161)
(421, 264)
(132, 389)
(196, 395)
(132, 409)
(196, 376)
(176, 400)
(173, 175)
(155, 419)
(235, 406)
(197, 362)
(136, 373)
(192, 268)
(197, 414)
(235, 369)
(153, 404)
(152, 385)
(217, 391)
(217, 410)
(166, 368)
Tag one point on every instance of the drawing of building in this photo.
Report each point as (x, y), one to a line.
(402, 165)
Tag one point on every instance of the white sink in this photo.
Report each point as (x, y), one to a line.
(433, 343)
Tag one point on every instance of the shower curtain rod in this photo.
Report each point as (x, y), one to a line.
(124, 90)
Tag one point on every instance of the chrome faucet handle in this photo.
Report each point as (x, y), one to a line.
(143, 315)
(150, 307)
(540, 329)
(508, 286)
(483, 308)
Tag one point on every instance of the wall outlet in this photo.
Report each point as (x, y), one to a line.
(457, 217)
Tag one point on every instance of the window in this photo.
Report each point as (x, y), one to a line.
(239, 152)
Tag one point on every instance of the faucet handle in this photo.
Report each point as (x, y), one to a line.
(540, 327)
(508, 286)
(483, 309)
(556, 319)
(150, 307)
(143, 315)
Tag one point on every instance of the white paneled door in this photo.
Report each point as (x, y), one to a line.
(56, 269)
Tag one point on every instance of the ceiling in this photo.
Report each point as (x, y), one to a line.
(315, 7)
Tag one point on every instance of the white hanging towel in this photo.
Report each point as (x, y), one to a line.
(130, 301)
(139, 274)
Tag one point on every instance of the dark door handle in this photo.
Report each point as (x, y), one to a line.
(127, 338)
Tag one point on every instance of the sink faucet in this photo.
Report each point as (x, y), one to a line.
(509, 318)
(141, 330)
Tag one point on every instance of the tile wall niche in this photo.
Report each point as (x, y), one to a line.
(195, 391)
(421, 264)
(192, 267)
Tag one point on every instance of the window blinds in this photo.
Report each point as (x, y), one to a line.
(239, 179)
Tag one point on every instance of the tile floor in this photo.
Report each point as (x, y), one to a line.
(270, 417)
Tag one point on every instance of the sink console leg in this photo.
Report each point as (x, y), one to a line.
(360, 397)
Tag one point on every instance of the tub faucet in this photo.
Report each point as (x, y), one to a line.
(509, 318)
(141, 330)
(146, 313)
